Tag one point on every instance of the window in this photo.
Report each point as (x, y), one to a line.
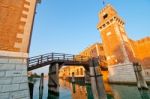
(104, 25)
(101, 48)
(77, 71)
(111, 20)
(107, 23)
(81, 71)
(105, 16)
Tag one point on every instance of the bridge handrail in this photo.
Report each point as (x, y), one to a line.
(55, 56)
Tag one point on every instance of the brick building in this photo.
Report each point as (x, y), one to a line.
(116, 41)
(95, 50)
(118, 47)
(16, 22)
(142, 51)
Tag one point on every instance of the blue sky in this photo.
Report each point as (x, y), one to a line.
(69, 26)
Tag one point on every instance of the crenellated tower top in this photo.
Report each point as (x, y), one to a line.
(111, 27)
(107, 16)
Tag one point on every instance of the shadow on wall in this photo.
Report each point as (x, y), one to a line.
(119, 56)
(145, 62)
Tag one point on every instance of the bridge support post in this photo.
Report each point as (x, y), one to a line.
(96, 80)
(53, 83)
(87, 77)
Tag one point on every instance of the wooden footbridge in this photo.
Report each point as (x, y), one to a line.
(57, 60)
(51, 58)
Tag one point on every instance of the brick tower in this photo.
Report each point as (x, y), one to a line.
(115, 40)
(116, 46)
(16, 21)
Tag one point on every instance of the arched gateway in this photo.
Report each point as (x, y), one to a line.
(57, 60)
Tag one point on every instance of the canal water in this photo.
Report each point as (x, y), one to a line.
(80, 91)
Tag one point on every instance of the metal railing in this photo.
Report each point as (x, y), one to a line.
(49, 57)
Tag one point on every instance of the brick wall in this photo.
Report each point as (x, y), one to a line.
(95, 50)
(16, 17)
(16, 20)
(142, 51)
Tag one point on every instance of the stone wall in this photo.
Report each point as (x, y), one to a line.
(147, 75)
(122, 73)
(13, 78)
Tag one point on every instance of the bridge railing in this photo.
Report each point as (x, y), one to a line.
(55, 57)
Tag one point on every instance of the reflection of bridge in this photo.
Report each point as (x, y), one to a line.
(57, 60)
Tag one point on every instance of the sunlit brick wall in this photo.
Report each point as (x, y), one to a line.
(95, 50)
(16, 17)
(10, 24)
(142, 51)
(114, 38)
(67, 71)
(111, 27)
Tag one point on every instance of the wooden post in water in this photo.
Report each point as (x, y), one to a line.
(41, 86)
(141, 83)
(96, 80)
(73, 78)
(87, 77)
(73, 83)
(31, 87)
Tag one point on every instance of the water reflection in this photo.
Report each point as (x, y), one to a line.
(76, 91)
(50, 96)
(89, 92)
(129, 92)
(145, 94)
(74, 87)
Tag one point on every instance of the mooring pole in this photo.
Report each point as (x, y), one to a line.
(96, 80)
(141, 83)
(41, 86)
(73, 78)
(87, 77)
(73, 83)
(31, 87)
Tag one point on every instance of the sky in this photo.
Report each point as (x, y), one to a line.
(69, 26)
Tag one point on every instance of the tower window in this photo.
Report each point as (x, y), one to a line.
(105, 16)
(104, 25)
(111, 20)
(107, 23)
(101, 48)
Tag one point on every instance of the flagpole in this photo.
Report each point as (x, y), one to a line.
(104, 2)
